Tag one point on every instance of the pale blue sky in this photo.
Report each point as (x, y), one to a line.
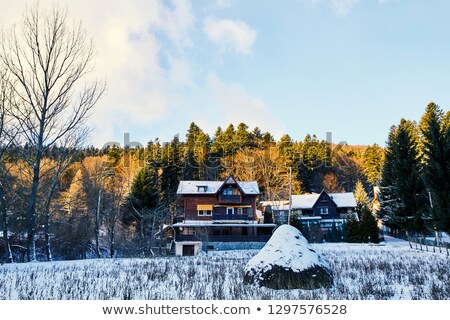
(352, 67)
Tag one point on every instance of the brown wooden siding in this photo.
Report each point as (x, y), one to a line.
(188, 204)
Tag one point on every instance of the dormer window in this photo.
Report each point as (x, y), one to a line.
(202, 188)
(227, 191)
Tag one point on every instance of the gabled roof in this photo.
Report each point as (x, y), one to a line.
(230, 180)
(212, 187)
(307, 201)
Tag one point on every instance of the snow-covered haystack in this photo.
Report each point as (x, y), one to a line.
(288, 261)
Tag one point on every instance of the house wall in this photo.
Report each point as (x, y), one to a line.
(188, 205)
(325, 201)
(179, 247)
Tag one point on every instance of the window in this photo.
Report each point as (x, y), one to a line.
(202, 188)
(239, 211)
(230, 210)
(323, 210)
(227, 191)
(204, 212)
(204, 209)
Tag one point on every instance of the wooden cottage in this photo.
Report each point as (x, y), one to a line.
(218, 215)
(324, 209)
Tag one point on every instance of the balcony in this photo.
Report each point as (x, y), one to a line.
(230, 199)
(211, 238)
(232, 217)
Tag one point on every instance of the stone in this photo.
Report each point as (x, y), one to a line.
(288, 261)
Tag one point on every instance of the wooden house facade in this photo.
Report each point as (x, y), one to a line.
(214, 215)
(323, 210)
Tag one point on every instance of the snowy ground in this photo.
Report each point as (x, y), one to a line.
(388, 271)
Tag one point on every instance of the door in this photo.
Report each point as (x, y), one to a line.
(188, 250)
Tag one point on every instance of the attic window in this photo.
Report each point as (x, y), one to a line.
(227, 191)
(202, 188)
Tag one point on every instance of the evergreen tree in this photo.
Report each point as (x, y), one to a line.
(436, 163)
(228, 140)
(268, 215)
(114, 155)
(171, 173)
(201, 154)
(218, 143)
(242, 136)
(144, 190)
(372, 158)
(369, 227)
(335, 234)
(352, 230)
(256, 138)
(361, 197)
(313, 164)
(403, 192)
(190, 164)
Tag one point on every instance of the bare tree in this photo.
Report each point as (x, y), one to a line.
(48, 57)
(59, 162)
(7, 137)
(262, 166)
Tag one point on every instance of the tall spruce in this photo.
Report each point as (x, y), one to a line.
(403, 194)
(368, 224)
(191, 167)
(372, 158)
(436, 162)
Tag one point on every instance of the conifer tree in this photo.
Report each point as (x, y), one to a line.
(403, 192)
(436, 163)
(372, 158)
(228, 140)
(369, 228)
(191, 166)
(352, 228)
(242, 136)
(361, 197)
(171, 173)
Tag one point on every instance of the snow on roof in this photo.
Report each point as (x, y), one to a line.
(196, 187)
(307, 201)
(344, 199)
(304, 201)
(274, 203)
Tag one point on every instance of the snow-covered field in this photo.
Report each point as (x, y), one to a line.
(392, 271)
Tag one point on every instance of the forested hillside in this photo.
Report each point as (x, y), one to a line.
(112, 201)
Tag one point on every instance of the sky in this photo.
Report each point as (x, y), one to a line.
(350, 67)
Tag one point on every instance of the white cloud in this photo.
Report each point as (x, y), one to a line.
(342, 7)
(128, 40)
(223, 3)
(230, 34)
(180, 72)
(234, 105)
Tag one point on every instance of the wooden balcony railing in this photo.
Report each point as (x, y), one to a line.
(180, 237)
(231, 199)
(233, 217)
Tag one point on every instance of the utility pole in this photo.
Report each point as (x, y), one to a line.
(290, 195)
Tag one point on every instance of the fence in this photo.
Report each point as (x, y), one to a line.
(421, 243)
